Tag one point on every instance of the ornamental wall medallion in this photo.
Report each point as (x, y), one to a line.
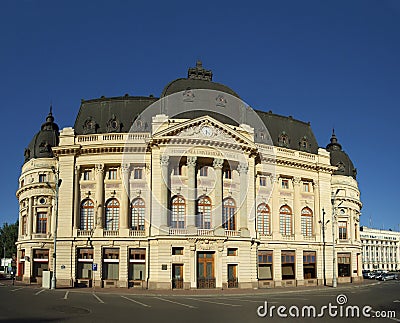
(113, 124)
(221, 101)
(188, 95)
(90, 126)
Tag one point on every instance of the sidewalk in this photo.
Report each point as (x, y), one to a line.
(203, 292)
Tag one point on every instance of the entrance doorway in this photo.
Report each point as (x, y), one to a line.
(232, 276)
(205, 270)
(177, 276)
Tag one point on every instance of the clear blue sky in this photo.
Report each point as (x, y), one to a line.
(333, 63)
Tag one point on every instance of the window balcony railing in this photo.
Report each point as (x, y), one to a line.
(233, 283)
(137, 233)
(206, 282)
(309, 238)
(205, 232)
(85, 233)
(177, 232)
(288, 237)
(110, 233)
(265, 236)
(232, 233)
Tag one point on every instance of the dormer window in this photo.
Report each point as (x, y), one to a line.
(304, 145)
(284, 140)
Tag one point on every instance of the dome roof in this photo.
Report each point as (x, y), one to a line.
(340, 159)
(198, 78)
(47, 137)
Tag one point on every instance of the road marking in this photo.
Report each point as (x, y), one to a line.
(168, 300)
(246, 300)
(396, 301)
(66, 295)
(98, 298)
(14, 290)
(212, 302)
(137, 302)
(41, 291)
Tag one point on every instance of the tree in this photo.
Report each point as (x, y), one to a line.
(8, 238)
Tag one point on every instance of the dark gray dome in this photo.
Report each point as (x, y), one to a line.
(340, 159)
(47, 137)
(198, 78)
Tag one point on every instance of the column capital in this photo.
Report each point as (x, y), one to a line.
(243, 168)
(191, 161)
(296, 180)
(218, 163)
(125, 168)
(164, 160)
(77, 169)
(99, 168)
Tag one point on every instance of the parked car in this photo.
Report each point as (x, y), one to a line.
(387, 276)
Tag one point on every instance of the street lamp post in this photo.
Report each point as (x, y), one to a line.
(323, 223)
(333, 199)
(58, 183)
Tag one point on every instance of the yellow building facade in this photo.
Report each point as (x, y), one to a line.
(194, 189)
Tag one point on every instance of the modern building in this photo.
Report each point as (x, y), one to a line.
(190, 190)
(380, 249)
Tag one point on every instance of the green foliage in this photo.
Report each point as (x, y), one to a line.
(8, 237)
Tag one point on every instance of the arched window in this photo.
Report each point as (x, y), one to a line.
(112, 214)
(306, 222)
(203, 217)
(137, 214)
(283, 139)
(263, 219)
(87, 215)
(285, 220)
(228, 214)
(178, 212)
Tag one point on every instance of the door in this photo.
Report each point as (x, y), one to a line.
(177, 276)
(232, 276)
(205, 270)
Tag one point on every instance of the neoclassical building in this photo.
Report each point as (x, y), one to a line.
(380, 249)
(194, 189)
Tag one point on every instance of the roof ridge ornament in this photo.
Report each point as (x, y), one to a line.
(199, 73)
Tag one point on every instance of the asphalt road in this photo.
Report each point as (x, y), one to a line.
(33, 304)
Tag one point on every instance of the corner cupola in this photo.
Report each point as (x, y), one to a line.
(41, 144)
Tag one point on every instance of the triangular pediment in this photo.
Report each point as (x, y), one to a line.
(205, 128)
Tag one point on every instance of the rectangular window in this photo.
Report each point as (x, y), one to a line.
(227, 174)
(285, 184)
(42, 178)
(342, 230)
(344, 264)
(41, 223)
(204, 171)
(110, 263)
(40, 262)
(309, 264)
(85, 261)
(24, 226)
(265, 264)
(87, 175)
(137, 264)
(306, 186)
(288, 264)
(232, 252)
(263, 181)
(138, 173)
(177, 251)
(112, 173)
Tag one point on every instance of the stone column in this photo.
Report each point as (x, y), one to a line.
(30, 216)
(218, 193)
(243, 168)
(124, 219)
(99, 204)
(77, 200)
(296, 208)
(191, 203)
(164, 160)
(316, 215)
